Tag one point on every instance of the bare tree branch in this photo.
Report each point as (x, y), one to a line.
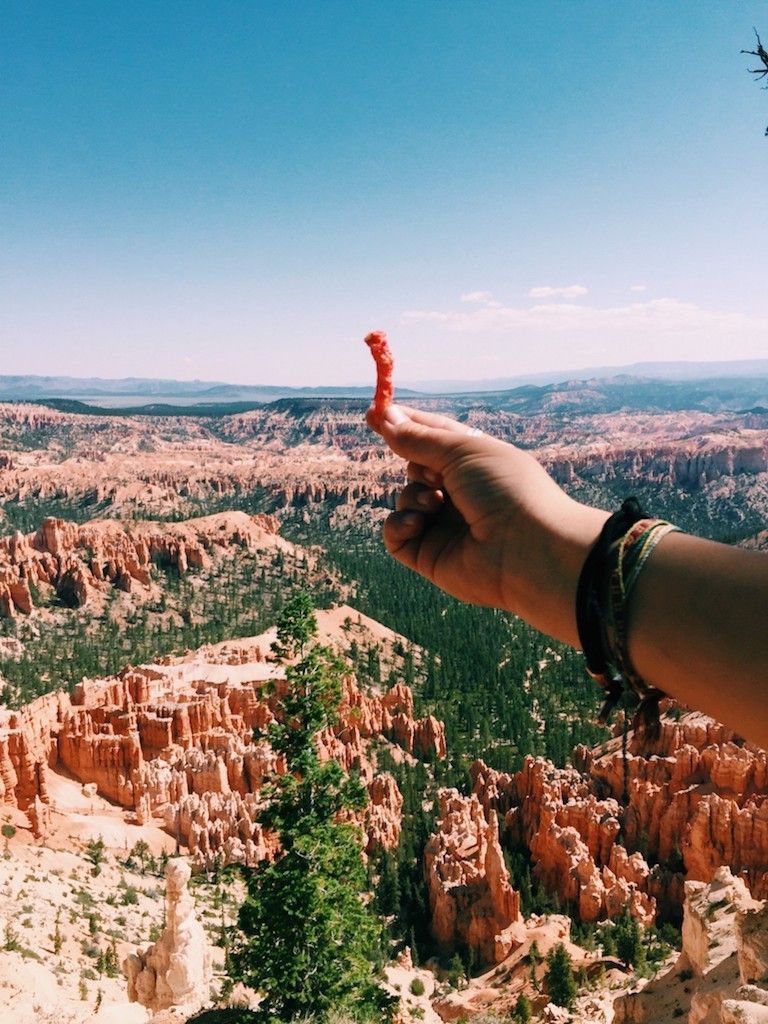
(762, 54)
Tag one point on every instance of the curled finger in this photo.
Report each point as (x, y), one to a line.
(402, 535)
(419, 497)
(423, 475)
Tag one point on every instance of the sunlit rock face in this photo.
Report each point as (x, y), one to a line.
(82, 564)
(721, 975)
(300, 453)
(175, 972)
(173, 743)
(696, 801)
(471, 899)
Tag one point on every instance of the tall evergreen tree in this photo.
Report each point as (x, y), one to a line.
(306, 940)
(561, 983)
(629, 940)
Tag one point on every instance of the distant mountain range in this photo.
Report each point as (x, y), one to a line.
(679, 370)
(129, 391)
(126, 390)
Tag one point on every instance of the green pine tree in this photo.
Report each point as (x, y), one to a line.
(560, 980)
(457, 974)
(629, 941)
(306, 941)
(94, 852)
(388, 898)
(534, 959)
(523, 1010)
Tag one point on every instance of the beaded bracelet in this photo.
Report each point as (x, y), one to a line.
(606, 582)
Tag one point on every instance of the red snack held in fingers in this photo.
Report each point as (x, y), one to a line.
(385, 389)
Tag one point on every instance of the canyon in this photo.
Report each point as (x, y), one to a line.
(299, 452)
(170, 745)
(174, 741)
(81, 564)
(151, 523)
(622, 828)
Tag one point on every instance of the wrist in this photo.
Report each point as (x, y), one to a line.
(552, 555)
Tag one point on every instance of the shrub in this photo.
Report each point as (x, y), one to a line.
(523, 1010)
(417, 987)
(130, 896)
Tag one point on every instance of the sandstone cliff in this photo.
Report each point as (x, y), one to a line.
(721, 975)
(299, 453)
(174, 742)
(696, 802)
(471, 900)
(81, 563)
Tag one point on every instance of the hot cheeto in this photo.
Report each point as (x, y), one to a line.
(385, 390)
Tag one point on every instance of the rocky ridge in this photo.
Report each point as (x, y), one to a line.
(302, 452)
(618, 831)
(173, 741)
(81, 564)
(721, 975)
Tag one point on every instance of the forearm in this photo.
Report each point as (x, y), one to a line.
(698, 629)
(697, 616)
(553, 551)
(482, 520)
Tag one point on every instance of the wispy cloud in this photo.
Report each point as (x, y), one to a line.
(476, 297)
(655, 317)
(547, 291)
(638, 288)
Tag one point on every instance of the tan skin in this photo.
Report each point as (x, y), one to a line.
(484, 521)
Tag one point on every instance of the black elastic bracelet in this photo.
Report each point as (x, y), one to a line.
(592, 583)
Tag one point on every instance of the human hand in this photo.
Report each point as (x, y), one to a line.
(484, 521)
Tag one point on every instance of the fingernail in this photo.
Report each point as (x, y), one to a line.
(394, 416)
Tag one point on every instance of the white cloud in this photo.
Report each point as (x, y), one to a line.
(657, 328)
(476, 297)
(546, 291)
(638, 288)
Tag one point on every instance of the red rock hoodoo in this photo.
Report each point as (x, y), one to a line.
(174, 742)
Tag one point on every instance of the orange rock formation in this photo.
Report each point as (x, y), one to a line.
(174, 741)
(470, 897)
(79, 563)
(695, 802)
(303, 451)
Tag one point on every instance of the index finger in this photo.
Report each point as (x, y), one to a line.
(429, 419)
(436, 419)
(426, 443)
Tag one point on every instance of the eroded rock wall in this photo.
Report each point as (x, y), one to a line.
(80, 563)
(621, 831)
(175, 742)
(470, 896)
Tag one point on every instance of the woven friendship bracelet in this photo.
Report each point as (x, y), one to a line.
(635, 548)
(609, 575)
(629, 559)
(589, 599)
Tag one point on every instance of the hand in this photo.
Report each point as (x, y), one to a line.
(483, 520)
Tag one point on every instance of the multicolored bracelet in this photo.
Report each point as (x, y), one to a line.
(606, 582)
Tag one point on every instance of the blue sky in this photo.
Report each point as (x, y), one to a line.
(240, 191)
